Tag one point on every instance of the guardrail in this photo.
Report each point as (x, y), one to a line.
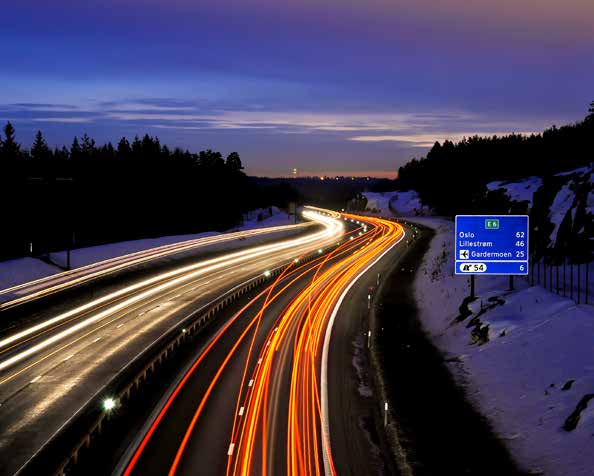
(122, 386)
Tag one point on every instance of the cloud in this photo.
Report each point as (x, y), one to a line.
(428, 139)
(65, 120)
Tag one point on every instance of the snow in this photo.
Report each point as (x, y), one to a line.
(519, 191)
(538, 341)
(580, 171)
(559, 208)
(22, 270)
(397, 203)
(379, 201)
(93, 254)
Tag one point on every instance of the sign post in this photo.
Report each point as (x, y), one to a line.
(491, 245)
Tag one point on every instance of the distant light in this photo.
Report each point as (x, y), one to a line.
(296, 260)
(320, 251)
(109, 404)
(351, 238)
(267, 273)
(184, 331)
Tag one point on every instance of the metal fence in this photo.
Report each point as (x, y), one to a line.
(567, 279)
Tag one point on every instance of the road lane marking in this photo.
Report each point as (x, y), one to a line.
(119, 326)
(241, 410)
(251, 383)
(96, 340)
(69, 357)
(36, 378)
(231, 448)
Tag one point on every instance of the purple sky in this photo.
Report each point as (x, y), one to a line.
(340, 86)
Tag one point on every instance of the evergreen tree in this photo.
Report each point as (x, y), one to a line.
(75, 152)
(88, 148)
(590, 116)
(124, 149)
(233, 162)
(10, 148)
(40, 150)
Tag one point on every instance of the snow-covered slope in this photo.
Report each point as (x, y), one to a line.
(519, 191)
(22, 270)
(525, 358)
(397, 203)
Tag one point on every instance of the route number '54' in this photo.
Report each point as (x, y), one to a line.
(473, 267)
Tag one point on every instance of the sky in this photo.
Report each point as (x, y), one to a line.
(353, 87)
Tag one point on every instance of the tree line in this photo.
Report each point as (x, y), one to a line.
(89, 194)
(452, 177)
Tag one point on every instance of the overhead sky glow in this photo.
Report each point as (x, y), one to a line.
(336, 85)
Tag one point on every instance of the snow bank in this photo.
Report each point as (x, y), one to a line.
(519, 191)
(561, 205)
(397, 203)
(23, 270)
(537, 343)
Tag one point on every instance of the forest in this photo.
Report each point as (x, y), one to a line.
(452, 178)
(90, 194)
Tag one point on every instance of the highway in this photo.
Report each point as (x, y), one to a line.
(256, 398)
(51, 368)
(42, 287)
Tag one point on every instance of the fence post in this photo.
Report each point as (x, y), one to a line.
(571, 281)
(579, 281)
(532, 273)
(557, 273)
(551, 277)
(564, 275)
(544, 275)
(538, 271)
(587, 280)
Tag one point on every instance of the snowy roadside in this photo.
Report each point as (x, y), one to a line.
(526, 358)
(23, 270)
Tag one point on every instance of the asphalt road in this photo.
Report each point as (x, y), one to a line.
(274, 391)
(50, 370)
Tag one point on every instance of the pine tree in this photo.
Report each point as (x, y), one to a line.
(233, 162)
(75, 153)
(124, 149)
(40, 150)
(590, 116)
(10, 148)
(88, 148)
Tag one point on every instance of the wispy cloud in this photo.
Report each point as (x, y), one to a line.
(428, 139)
(65, 120)
(411, 129)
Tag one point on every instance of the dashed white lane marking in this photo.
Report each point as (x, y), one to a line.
(259, 360)
(119, 326)
(241, 410)
(96, 340)
(231, 448)
(251, 382)
(69, 357)
(38, 377)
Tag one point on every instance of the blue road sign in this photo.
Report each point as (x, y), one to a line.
(492, 244)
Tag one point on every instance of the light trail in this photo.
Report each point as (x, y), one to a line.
(60, 281)
(332, 229)
(302, 327)
(295, 342)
